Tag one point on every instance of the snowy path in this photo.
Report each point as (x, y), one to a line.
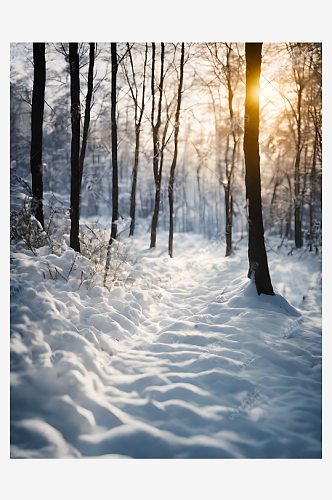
(189, 362)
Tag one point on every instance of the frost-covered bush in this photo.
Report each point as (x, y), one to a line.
(25, 227)
(94, 244)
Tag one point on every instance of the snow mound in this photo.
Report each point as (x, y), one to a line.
(246, 296)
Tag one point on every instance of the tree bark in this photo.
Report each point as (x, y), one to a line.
(289, 220)
(229, 173)
(137, 137)
(115, 189)
(173, 165)
(133, 187)
(155, 132)
(297, 208)
(312, 189)
(258, 265)
(229, 201)
(37, 115)
(87, 111)
(228, 221)
(75, 145)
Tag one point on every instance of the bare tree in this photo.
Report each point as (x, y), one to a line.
(37, 114)
(155, 133)
(173, 165)
(298, 75)
(299, 57)
(315, 118)
(75, 145)
(77, 154)
(139, 110)
(115, 187)
(229, 168)
(258, 265)
(226, 71)
(87, 110)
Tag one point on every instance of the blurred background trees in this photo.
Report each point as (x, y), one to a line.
(209, 188)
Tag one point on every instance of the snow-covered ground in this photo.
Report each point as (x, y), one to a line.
(181, 359)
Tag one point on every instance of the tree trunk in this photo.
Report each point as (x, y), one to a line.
(155, 133)
(133, 187)
(115, 190)
(289, 220)
(312, 189)
(297, 208)
(229, 173)
(37, 114)
(137, 136)
(87, 111)
(156, 206)
(228, 221)
(75, 145)
(172, 172)
(258, 265)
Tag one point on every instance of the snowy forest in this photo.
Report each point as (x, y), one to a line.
(166, 250)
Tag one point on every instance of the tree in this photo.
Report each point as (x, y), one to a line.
(301, 61)
(77, 155)
(315, 113)
(115, 189)
(157, 172)
(173, 165)
(229, 168)
(258, 265)
(298, 70)
(37, 114)
(87, 110)
(138, 121)
(228, 74)
(75, 145)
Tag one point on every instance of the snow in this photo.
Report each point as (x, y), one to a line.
(184, 360)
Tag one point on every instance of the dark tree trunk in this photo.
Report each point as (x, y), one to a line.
(173, 165)
(137, 137)
(297, 208)
(115, 190)
(37, 114)
(289, 219)
(228, 221)
(133, 187)
(87, 111)
(229, 201)
(258, 265)
(75, 145)
(312, 189)
(228, 186)
(155, 133)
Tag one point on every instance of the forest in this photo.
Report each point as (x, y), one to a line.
(166, 250)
